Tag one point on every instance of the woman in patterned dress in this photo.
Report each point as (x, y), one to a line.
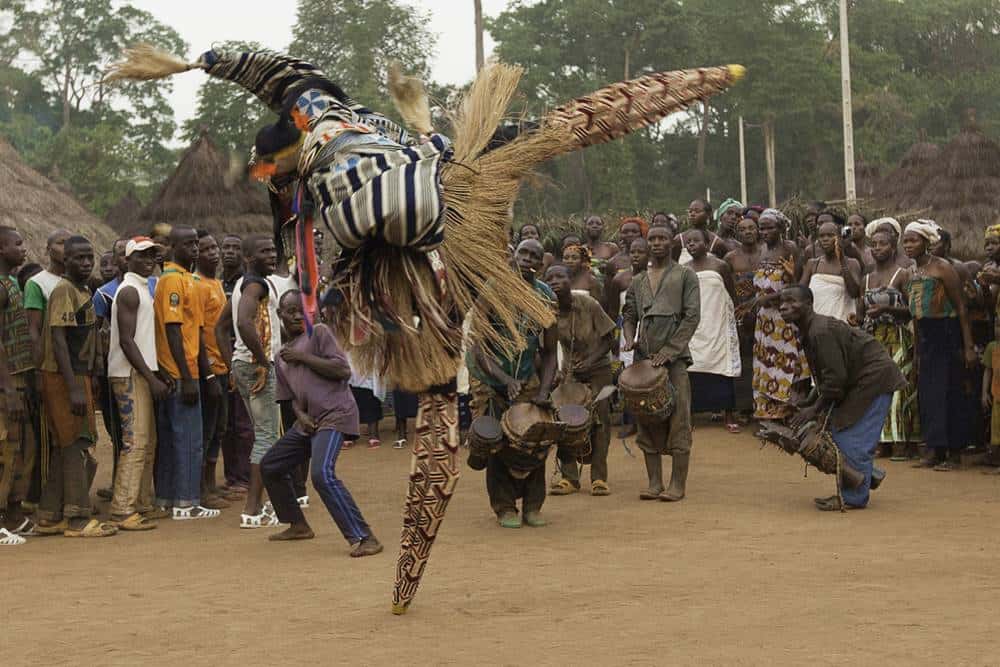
(779, 362)
(943, 345)
(885, 314)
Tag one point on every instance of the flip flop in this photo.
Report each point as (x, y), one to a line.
(399, 444)
(374, 443)
(135, 522)
(734, 428)
(94, 528)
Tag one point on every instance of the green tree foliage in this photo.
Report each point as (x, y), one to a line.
(354, 41)
(229, 113)
(916, 66)
(100, 139)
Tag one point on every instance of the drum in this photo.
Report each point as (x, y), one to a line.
(530, 431)
(576, 424)
(816, 446)
(571, 393)
(485, 438)
(647, 392)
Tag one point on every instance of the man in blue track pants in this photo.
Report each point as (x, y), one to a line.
(313, 373)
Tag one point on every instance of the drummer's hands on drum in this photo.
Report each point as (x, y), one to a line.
(804, 416)
(661, 358)
(514, 388)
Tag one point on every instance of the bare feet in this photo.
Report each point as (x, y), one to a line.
(652, 493)
(367, 547)
(296, 531)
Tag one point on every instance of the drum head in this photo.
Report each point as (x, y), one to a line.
(527, 422)
(571, 393)
(486, 429)
(574, 416)
(642, 375)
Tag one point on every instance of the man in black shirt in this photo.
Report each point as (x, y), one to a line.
(853, 378)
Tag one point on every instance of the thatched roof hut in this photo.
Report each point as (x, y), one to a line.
(905, 184)
(124, 216)
(36, 207)
(198, 194)
(960, 189)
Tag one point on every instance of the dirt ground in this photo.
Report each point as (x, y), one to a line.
(743, 572)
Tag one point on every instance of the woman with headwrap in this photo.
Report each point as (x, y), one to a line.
(891, 227)
(727, 216)
(944, 345)
(779, 362)
(885, 314)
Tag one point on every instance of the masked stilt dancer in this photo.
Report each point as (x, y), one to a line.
(423, 223)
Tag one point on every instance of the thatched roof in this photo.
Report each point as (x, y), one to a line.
(197, 194)
(905, 185)
(961, 190)
(124, 216)
(36, 207)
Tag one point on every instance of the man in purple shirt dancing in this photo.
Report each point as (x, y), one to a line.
(313, 373)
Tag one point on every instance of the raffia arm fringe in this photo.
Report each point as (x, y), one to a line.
(145, 62)
(410, 99)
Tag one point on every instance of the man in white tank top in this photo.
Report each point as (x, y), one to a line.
(254, 310)
(132, 371)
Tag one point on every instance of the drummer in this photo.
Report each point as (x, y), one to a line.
(496, 381)
(586, 335)
(854, 378)
(663, 306)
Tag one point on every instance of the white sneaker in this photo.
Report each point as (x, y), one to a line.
(303, 501)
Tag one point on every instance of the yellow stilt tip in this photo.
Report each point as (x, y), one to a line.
(737, 71)
(399, 609)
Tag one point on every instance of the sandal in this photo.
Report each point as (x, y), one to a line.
(194, 512)
(945, 466)
(399, 444)
(833, 504)
(262, 520)
(135, 522)
(9, 539)
(734, 428)
(58, 528)
(26, 529)
(347, 444)
(649, 494)
(563, 488)
(157, 513)
(374, 443)
(303, 501)
(94, 528)
(599, 488)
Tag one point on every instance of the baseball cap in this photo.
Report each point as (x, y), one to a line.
(138, 244)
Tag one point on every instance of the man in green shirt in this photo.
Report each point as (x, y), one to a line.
(497, 381)
(663, 304)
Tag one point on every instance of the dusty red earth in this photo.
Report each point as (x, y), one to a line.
(742, 572)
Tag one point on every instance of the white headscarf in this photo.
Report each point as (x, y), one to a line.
(926, 228)
(873, 226)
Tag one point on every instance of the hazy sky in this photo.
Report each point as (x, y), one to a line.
(269, 22)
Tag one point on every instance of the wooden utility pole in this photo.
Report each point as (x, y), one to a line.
(480, 53)
(772, 197)
(845, 76)
(743, 166)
